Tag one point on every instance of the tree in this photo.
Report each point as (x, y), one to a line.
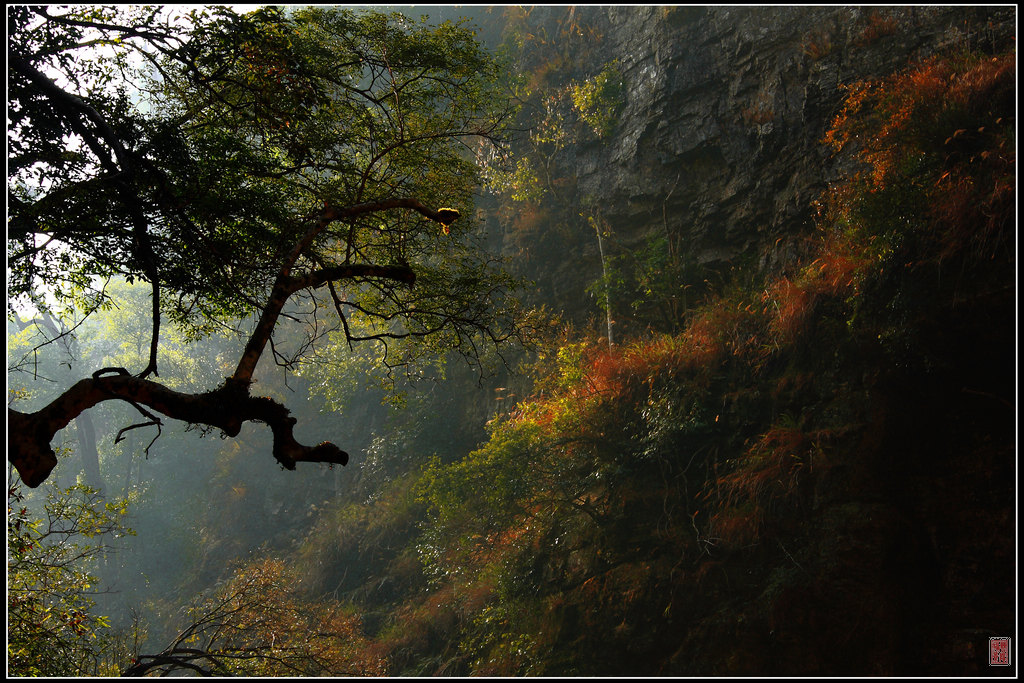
(256, 624)
(50, 628)
(239, 164)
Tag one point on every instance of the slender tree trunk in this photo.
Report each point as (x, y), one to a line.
(607, 286)
(676, 308)
(89, 453)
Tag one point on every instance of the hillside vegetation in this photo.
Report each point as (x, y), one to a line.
(784, 453)
(813, 477)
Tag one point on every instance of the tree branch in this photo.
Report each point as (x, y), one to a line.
(123, 172)
(29, 434)
(285, 286)
(330, 214)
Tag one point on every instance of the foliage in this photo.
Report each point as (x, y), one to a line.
(647, 490)
(599, 99)
(639, 285)
(520, 183)
(937, 140)
(256, 625)
(878, 26)
(818, 45)
(117, 337)
(559, 112)
(292, 114)
(653, 279)
(273, 164)
(734, 479)
(51, 627)
(544, 535)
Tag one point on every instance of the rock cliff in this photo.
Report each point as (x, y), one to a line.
(718, 141)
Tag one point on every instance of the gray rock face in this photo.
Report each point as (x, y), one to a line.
(719, 140)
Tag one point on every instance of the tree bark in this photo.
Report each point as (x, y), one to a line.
(226, 408)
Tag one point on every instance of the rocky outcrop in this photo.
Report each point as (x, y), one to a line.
(719, 138)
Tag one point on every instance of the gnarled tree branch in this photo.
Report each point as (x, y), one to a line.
(226, 408)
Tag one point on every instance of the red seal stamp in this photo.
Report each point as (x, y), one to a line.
(999, 652)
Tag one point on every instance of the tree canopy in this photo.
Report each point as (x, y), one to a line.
(258, 167)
